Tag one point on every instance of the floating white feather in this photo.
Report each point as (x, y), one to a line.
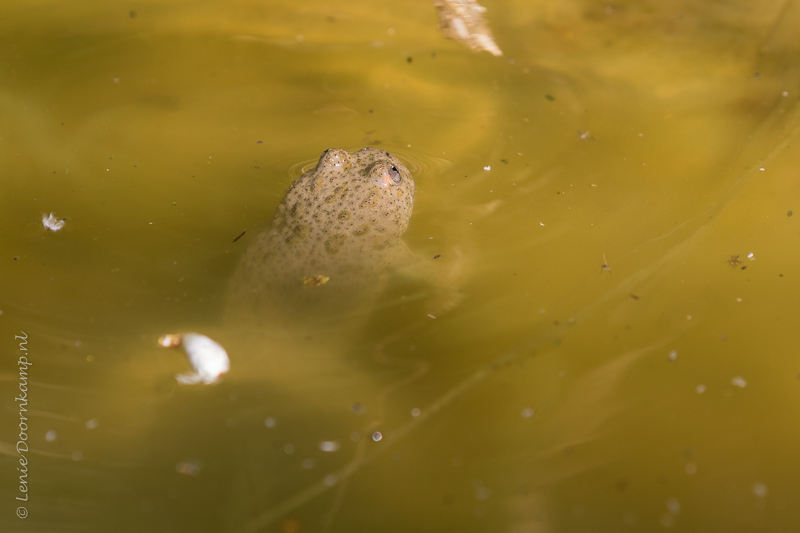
(52, 222)
(209, 359)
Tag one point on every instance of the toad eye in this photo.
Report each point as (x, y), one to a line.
(394, 174)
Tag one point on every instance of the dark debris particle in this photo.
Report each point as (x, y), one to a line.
(260, 142)
(239, 236)
(409, 59)
(550, 97)
(433, 55)
(504, 161)
(789, 214)
(370, 110)
(437, 256)
(634, 297)
(17, 257)
(744, 267)
(132, 14)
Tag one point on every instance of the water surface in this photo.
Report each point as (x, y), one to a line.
(612, 199)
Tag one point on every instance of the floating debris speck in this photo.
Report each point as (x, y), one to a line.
(673, 506)
(189, 468)
(760, 490)
(209, 359)
(739, 381)
(329, 446)
(52, 223)
(315, 281)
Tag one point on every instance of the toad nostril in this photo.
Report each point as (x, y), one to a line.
(394, 174)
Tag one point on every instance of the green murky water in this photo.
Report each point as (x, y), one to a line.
(656, 392)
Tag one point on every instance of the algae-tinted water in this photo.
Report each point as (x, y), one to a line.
(612, 199)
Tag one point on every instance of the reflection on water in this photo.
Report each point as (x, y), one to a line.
(613, 200)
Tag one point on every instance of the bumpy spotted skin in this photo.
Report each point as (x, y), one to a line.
(342, 221)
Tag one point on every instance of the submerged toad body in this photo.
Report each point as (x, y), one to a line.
(333, 238)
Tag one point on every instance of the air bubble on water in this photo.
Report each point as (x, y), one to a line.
(51, 435)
